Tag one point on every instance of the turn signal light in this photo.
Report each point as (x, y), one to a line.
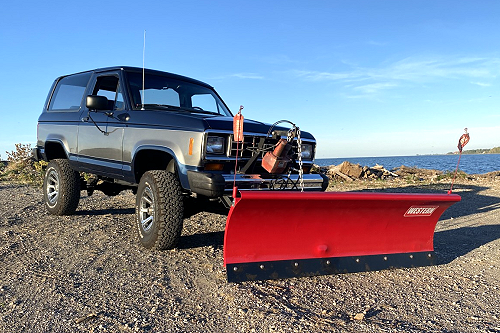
(214, 166)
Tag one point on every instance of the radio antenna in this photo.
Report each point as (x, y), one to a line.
(143, 55)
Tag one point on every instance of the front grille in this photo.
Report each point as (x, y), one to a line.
(250, 145)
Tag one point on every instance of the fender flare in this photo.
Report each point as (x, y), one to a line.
(180, 169)
(61, 144)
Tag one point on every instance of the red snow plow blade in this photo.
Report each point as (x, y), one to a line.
(274, 235)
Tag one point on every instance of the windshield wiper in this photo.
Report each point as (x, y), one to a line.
(200, 110)
(165, 106)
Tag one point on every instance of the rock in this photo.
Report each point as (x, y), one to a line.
(407, 171)
(352, 170)
(359, 316)
(333, 169)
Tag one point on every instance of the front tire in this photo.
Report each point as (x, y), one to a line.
(159, 210)
(61, 188)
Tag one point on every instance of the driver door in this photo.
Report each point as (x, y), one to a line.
(99, 138)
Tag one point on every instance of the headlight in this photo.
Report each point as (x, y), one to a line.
(307, 151)
(215, 145)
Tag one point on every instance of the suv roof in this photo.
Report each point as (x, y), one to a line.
(146, 70)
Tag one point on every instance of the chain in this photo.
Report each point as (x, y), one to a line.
(301, 171)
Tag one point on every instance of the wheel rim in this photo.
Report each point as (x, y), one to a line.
(52, 187)
(146, 209)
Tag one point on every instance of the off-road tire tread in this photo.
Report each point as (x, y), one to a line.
(69, 188)
(169, 210)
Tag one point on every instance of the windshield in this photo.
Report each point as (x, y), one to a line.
(171, 94)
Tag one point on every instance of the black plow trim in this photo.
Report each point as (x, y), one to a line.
(272, 270)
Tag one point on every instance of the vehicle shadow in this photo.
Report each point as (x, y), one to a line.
(214, 239)
(107, 211)
(193, 206)
(454, 243)
(472, 202)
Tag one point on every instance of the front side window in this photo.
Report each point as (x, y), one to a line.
(69, 92)
(168, 93)
(109, 87)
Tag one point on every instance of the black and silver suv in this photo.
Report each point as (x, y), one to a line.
(164, 136)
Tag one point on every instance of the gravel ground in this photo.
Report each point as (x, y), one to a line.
(88, 273)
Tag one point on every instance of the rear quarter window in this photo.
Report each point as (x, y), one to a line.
(69, 92)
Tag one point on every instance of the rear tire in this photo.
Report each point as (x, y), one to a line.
(61, 188)
(159, 210)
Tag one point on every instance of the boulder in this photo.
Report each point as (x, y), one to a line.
(351, 170)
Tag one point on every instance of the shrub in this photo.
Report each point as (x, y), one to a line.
(20, 154)
(22, 167)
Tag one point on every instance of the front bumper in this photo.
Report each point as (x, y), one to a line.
(216, 185)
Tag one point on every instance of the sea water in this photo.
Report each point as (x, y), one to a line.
(471, 164)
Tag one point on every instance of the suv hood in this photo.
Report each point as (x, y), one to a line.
(249, 126)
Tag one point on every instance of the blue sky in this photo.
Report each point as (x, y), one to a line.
(367, 78)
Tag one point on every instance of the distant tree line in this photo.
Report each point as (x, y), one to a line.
(495, 150)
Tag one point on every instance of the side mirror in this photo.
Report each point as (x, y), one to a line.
(96, 103)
